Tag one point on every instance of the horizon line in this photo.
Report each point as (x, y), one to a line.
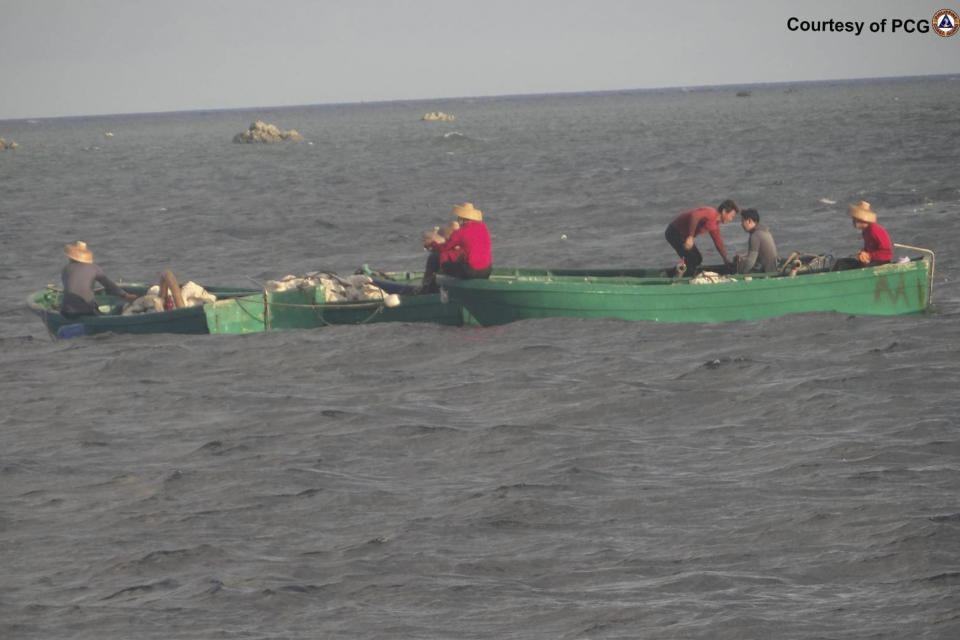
(593, 92)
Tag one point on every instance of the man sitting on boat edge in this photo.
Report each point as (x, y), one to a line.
(684, 228)
(465, 253)
(877, 248)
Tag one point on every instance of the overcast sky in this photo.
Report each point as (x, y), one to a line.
(85, 57)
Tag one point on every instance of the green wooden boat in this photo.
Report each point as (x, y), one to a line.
(891, 289)
(190, 320)
(306, 309)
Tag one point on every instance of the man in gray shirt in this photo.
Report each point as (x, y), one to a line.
(760, 247)
(78, 277)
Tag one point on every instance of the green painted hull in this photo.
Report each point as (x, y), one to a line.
(886, 290)
(191, 320)
(240, 311)
(305, 309)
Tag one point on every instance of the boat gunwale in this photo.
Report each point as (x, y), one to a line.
(757, 280)
(747, 297)
(109, 321)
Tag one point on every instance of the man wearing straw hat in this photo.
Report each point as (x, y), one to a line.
(877, 248)
(78, 278)
(463, 253)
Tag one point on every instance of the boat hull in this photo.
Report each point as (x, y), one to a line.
(191, 320)
(885, 290)
(305, 309)
(239, 311)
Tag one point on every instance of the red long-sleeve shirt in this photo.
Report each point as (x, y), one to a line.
(470, 242)
(700, 220)
(876, 242)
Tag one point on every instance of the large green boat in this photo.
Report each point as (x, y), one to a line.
(891, 289)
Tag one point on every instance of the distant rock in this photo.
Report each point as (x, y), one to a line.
(4, 145)
(438, 115)
(262, 132)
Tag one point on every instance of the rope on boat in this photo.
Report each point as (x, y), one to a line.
(378, 306)
(933, 261)
(332, 305)
(316, 306)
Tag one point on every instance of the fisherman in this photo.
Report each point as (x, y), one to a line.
(78, 278)
(461, 251)
(684, 228)
(877, 248)
(760, 246)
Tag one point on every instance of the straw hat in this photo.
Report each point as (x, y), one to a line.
(467, 212)
(78, 252)
(862, 212)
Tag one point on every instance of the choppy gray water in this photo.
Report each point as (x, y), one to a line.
(790, 478)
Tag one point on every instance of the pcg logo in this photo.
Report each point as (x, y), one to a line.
(946, 23)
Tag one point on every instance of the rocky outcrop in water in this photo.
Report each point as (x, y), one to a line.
(262, 132)
(438, 115)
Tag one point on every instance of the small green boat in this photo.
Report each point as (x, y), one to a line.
(189, 320)
(892, 289)
(306, 308)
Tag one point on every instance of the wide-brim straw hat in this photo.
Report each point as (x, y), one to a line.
(467, 212)
(862, 212)
(78, 252)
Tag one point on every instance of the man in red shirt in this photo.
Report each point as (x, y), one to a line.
(877, 248)
(687, 226)
(465, 253)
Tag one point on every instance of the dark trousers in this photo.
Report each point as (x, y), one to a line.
(691, 256)
(73, 306)
(459, 269)
(842, 264)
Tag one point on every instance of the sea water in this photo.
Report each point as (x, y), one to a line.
(796, 477)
